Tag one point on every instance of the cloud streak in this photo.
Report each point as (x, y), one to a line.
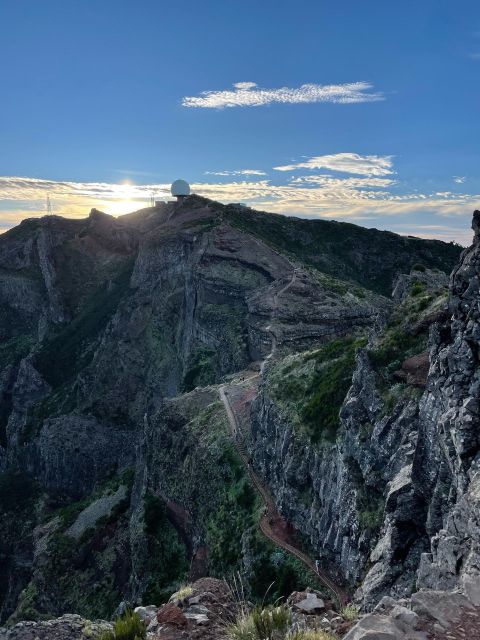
(239, 172)
(345, 163)
(249, 94)
(354, 198)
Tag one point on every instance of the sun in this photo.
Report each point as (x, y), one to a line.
(125, 199)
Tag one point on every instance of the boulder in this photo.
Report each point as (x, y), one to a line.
(414, 370)
(381, 627)
(310, 604)
(146, 613)
(171, 615)
(443, 607)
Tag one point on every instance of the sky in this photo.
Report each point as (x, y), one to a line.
(366, 112)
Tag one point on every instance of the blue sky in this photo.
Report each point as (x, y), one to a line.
(360, 111)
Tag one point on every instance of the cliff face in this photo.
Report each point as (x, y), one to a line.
(394, 500)
(116, 333)
(449, 447)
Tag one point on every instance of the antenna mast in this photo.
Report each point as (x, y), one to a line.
(49, 207)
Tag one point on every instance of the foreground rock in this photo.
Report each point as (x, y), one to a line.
(427, 615)
(67, 627)
(205, 612)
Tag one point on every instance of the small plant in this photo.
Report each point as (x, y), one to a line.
(105, 635)
(182, 593)
(242, 629)
(417, 288)
(349, 613)
(127, 627)
(312, 634)
(419, 267)
(270, 623)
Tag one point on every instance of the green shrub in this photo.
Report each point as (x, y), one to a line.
(201, 371)
(234, 513)
(372, 519)
(423, 303)
(417, 288)
(127, 627)
(242, 629)
(395, 346)
(270, 620)
(419, 267)
(350, 612)
(268, 623)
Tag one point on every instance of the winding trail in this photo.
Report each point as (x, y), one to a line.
(274, 315)
(271, 523)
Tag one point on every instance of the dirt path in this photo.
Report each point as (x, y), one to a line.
(272, 524)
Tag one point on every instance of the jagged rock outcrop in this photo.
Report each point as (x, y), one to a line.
(436, 615)
(448, 460)
(67, 627)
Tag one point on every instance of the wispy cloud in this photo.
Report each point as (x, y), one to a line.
(239, 172)
(345, 163)
(348, 183)
(460, 179)
(249, 94)
(475, 55)
(366, 199)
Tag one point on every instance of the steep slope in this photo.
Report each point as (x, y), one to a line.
(368, 257)
(391, 496)
(108, 327)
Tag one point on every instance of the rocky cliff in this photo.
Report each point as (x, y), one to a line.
(117, 453)
(392, 499)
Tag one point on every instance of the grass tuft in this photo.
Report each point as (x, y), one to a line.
(182, 593)
(270, 623)
(350, 613)
(127, 627)
(312, 634)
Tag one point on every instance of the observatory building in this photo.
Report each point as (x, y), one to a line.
(180, 189)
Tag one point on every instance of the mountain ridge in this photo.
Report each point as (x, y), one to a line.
(117, 336)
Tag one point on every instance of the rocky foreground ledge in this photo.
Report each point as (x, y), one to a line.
(206, 609)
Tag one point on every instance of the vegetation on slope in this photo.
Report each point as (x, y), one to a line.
(67, 351)
(369, 257)
(311, 387)
(82, 573)
(168, 566)
(201, 471)
(406, 332)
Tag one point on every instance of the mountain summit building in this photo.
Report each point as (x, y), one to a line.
(180, 189)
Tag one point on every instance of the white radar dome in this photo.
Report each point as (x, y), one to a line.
(180, 188)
